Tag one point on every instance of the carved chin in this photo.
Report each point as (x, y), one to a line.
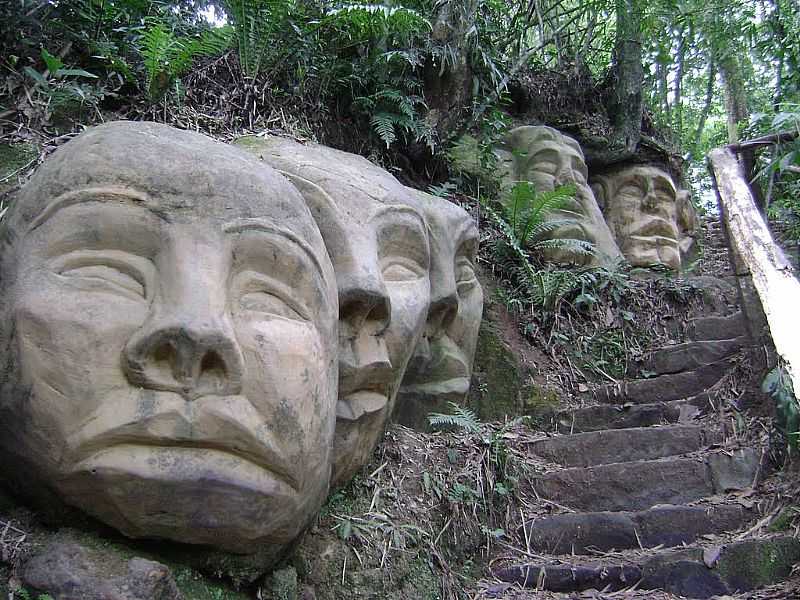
(190, 495)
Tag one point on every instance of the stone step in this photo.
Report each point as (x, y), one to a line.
(623, 445)
(642, 484)
(717, 327)
(664, 387)
(696, 572)
(663, 525)
(608, 416)
(690, 355)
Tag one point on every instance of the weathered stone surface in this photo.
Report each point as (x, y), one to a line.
(441, 367)
(169, 330)
(197, 342)
(571, 578)
(653, 222)
(666, 525)
(620, 445)
(606, 416)
(68, 571)
(549, 159)
(691, 355)
(735, 471)
(376, 232)
(740, 567)
(643, 484)
(664, 387)
(717, 327)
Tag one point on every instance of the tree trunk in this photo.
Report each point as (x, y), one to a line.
(680, 61)
(701, 122)
(625, 100)
(448, 87)
(731, 73)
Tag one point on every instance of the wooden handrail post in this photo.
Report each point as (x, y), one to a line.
(772, 275)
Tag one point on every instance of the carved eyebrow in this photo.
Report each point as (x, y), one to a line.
(267, 226)
(400, 209)
(108, 194)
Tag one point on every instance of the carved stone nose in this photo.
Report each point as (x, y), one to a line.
(442, 312)
(193, 360)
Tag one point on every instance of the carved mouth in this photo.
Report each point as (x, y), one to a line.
(655, 227)
(210, 425)
(445, 370)
(360, 403)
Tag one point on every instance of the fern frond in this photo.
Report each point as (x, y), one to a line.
(462, 418)
(383, 123)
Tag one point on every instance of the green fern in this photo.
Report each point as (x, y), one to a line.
(462, 418)
(549, 288)
(258, 24)
(393, 114)
(167, 56)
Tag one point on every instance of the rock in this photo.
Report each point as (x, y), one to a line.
(690, 355)
(740, 566)
(571, 578)
(620, 445)
(605, 416)
(665, 387)
(717, 327)
(69, 571)
(643, 484)
(547, 158)
(653, 221)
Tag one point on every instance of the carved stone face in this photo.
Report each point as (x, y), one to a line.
(549, 159)
(377, 240)
(642, 208)
(441, 367)
(169, 317)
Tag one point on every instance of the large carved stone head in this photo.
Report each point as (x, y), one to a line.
(169, 325)
(653, 221)
(549, 159)
(441, 367)
(376, 236)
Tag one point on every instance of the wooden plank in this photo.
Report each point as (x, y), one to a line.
(772, 274)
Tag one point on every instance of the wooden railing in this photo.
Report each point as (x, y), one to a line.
(756, 256)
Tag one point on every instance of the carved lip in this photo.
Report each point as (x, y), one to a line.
(446, 363)
(359, 403)
(655, 227)
(211, 425)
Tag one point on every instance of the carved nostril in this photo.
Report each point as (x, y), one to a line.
(213, 370)
(164, 361)
(191, 361)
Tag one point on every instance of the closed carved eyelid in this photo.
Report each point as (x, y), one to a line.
(258, 293)
(117, 270)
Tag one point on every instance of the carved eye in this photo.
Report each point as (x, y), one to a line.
(270, 304)
(108, 271)
(631, 190)
(398, 269)
(261, 295)
(105, 275)
(465, 275)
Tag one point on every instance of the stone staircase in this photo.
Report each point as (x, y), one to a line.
(646, 492)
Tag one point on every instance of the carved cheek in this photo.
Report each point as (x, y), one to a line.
(70, 344)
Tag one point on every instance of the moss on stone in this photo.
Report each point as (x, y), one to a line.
(282, 584)
(497, 379)
(195, 586)
(784, 519)
(14, 157)
(757, 563)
